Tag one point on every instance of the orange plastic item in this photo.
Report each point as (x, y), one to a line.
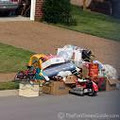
(93, 70)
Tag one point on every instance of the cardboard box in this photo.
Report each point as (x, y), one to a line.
(70, 79)
(111, 84)
(28, 90)
(56, 88)
(85, 71)
(46, 89)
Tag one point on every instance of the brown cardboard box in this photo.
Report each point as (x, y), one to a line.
(28, 90)
(46, 89)
(111, 84)
(70, 79)
(85, 72)
(56, 88)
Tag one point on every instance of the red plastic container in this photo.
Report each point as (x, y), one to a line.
(93, 70)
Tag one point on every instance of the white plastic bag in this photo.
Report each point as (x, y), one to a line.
(110, 72)
(77, 58)
(64, 73)
(66, 53)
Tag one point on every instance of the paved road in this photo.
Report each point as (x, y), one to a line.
(66, 107)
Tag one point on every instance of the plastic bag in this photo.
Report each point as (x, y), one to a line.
(64, 73)
(110, 72)
(66, 53)
(75, 54)
(69, 52)
(77, 58)
(99, 63)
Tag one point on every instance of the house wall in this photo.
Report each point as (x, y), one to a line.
(38, 10)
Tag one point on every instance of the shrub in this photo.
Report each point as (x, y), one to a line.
(57, 11)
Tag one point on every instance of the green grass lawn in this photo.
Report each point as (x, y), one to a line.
(95, 24)
(9, 85)
(13, 59)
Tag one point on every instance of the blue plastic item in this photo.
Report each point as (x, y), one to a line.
(54, 70)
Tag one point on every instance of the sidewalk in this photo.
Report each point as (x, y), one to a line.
(5, 93)
(16, 18)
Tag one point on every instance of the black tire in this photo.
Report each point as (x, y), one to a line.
(93, 93)
(81, 93)
(77, 92)
(5, 14)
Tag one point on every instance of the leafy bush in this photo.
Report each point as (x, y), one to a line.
(57, 11)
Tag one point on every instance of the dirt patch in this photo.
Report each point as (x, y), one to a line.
(43, 38)
(5, 77)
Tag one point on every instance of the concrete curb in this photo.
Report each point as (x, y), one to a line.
(14, 19)
(4, 93)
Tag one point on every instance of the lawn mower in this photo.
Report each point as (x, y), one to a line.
(84, 87)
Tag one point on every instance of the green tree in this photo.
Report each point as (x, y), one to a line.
(57, 11)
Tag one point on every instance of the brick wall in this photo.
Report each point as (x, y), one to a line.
(38, 10)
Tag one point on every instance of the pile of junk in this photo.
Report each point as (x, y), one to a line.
(72, 70)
